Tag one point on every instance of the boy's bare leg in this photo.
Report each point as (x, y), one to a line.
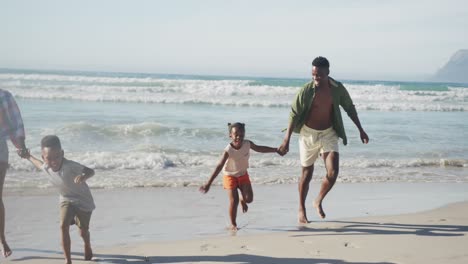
(233, 203)
(66, 244)
(88, 252)
(247, 196)
(5, 248)
(331, 160)
(306, 176)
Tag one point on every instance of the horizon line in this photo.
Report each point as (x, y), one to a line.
(208, 75)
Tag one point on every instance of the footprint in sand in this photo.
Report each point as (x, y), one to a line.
(244, 247)
(249, 248)
(349, 245)
(314, 253)
(206, 247)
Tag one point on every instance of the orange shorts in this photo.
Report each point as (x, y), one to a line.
(231, 182)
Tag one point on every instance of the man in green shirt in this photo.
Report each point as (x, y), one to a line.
(315, 115)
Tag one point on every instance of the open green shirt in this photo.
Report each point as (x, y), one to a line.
(301, 106)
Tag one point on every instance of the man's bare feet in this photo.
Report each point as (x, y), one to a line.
(233, 228)
(6, 249)
(318, 205)
(88, 253)
(302, 218)
(68, 261)
(245, 207)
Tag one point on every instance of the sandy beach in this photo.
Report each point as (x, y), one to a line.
(366, 223)
(436, 236)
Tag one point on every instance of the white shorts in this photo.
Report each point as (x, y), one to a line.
(314, 142)
(3, 151)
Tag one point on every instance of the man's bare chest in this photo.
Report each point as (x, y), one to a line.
(322, 99)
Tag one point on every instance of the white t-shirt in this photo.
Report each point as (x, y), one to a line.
(238, 161)
(78, 194)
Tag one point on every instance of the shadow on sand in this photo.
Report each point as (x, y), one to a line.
(346, 228)
(374, 228)
(236, 258)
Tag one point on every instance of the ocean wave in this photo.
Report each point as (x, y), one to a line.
(159, 166)
(392, 98)
(136, 130)
(411, 163)
(229, 92)
(154, 158)
(204, 92)
(85, 79)
(176, 177)
(145, 160)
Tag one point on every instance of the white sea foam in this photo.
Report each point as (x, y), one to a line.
(391, 98)
(384, 97)
(161, 169)
(144, 129)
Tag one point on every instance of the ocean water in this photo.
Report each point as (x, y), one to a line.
(153, 130)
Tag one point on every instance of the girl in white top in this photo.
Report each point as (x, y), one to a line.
(234, 163)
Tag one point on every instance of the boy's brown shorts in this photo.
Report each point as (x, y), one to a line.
(69, 212)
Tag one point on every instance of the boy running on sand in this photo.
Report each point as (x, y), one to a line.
(76, 201)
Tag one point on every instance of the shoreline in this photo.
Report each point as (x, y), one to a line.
(127, 219)
(435, 236)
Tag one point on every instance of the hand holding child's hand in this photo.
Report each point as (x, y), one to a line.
(23, 153)
(204, 188)
(279, 152)
(284, 148)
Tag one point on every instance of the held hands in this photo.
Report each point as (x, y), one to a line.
(280, 152)
(23, 153)
(284, 148)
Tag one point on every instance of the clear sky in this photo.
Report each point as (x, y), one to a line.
(363, 39)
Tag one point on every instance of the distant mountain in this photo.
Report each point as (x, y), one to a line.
(456, 69)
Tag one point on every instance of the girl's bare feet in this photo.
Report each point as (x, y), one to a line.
(245, 207)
